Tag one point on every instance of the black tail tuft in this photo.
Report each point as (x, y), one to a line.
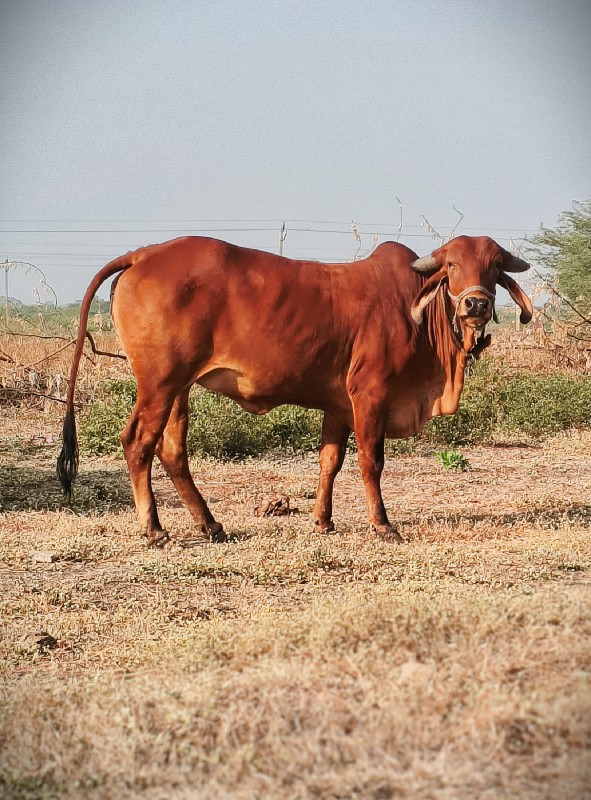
(67, 462)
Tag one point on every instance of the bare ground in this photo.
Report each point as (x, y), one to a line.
(289, 665)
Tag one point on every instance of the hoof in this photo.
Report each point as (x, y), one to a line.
(387, 533)
(323, 527)
(216, 533)
(158, 539)
(212, 533)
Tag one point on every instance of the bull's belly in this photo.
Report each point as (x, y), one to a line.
(239, 387)
(261, 394)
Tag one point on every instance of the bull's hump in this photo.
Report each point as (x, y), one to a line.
(395, 253)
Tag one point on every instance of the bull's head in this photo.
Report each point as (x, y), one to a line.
(468, 269)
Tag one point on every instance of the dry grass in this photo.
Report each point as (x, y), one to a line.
(30, 363)
(284, 664)
(289, 665)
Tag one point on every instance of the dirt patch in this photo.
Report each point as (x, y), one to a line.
(288, 664)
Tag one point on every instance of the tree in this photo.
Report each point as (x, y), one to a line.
(566, 253)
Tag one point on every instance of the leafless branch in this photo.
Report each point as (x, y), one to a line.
(401, 223)
(561, 297)
(46, 358)
(357, 237)
(431, 230)
(30, 393)
(37, 336)
(102, 352)
(28, 267)
(456, 226)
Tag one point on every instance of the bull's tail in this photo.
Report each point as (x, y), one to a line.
(67, 462)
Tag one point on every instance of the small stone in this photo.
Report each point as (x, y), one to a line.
(414, 672)
(44, 556)
(45, 641)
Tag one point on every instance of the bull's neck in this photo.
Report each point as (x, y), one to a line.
(450, 355)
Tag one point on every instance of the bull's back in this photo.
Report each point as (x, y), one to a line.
(262, 329)
(249, 324)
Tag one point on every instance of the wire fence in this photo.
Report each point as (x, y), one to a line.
(69, 254)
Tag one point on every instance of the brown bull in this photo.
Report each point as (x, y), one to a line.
(379, 345)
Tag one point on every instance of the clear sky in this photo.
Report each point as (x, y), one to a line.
(129, 122)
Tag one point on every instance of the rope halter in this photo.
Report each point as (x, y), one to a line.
(457, 299)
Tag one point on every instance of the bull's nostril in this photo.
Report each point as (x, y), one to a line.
(476, 306)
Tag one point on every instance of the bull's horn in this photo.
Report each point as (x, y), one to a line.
(425, 264)
(516, 265)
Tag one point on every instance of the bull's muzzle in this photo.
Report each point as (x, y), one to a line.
(474, 303)
(477, 307)
(474, 307)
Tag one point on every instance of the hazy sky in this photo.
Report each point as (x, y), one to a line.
(124, 123)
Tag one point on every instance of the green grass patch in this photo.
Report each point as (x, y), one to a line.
(451, 459)
(218, 426)
(522, 404)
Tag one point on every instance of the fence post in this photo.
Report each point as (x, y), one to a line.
(6, 265)
(282, 238)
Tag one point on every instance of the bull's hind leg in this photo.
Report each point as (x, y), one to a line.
(172, 452)
(332, 454)
(139, 437)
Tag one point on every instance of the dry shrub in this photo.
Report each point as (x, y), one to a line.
(551, 343)
(37, 362)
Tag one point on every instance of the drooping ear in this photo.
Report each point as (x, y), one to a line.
(427, 295)
(513, 264)
(519, 297)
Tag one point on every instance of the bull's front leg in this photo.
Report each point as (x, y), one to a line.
(370, 428)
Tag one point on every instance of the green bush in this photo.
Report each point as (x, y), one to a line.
(217, 426)
(492, 403)
(545, 405)
(99, 427)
